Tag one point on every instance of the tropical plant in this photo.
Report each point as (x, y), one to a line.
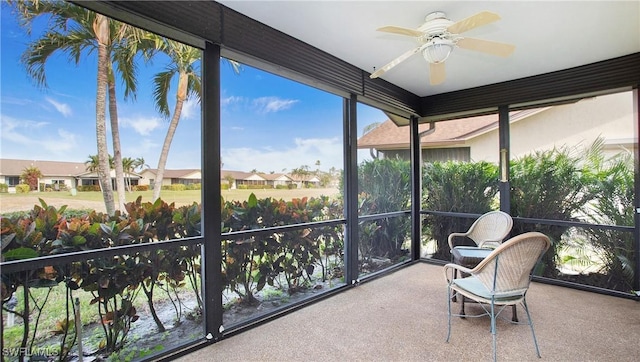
(92, 164)
(31, 176)
(465, 187)
(550, 185)
(25, 238)
(184, 63)
(139, 164)
(384, 185)
(77, 31)
(612, 181)
(128, 165)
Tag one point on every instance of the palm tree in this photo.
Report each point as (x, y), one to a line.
(123, 51)
(128, 165)
(75, 30)
(185, 62)
(139, 163)
(92, 164)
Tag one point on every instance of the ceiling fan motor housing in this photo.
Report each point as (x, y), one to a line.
(435, 25)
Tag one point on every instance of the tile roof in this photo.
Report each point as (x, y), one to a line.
(173, 173)
(274, 176)
(237, 175)
(12, 167)
(389, 136)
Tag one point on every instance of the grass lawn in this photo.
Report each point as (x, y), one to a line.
(93, 200)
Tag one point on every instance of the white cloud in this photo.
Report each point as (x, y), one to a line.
(30, 135)
(142, 125)
(63, 108)
(16, 101)
(303, 152)
(272, 104)
(190, 109)
(227, 101)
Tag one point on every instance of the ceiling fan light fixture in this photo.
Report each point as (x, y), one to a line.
(437, 50)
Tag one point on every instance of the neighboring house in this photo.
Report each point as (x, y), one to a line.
(56, 175)
(277, 179)
(476, 138)
(305, 180)
(266, 179)
(237, 178)
(68, 175)
(171, 177)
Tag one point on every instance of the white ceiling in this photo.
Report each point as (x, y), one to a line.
(548, 35)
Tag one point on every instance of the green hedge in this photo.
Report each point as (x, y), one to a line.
(4, 188)
(88, 187)
(175, 187)
(197, 186)
(22, 189)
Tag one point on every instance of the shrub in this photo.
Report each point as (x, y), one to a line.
(22, 188)
(175, 187)
(88, 187)
(196, 186)
(385, 186)
(141, 188)
(548, 185)
(467, 187)
(30, 176)
(4, 187)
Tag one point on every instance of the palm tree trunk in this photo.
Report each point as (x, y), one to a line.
(101, 28)
(173, 125)
(115, 135)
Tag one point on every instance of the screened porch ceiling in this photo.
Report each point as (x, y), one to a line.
(548, 35)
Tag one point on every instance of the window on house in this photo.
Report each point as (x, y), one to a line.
(446, 154)
(12, 180)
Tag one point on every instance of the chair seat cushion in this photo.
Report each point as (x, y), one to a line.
(473, 285)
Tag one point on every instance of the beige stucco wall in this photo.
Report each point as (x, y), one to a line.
(577, 124)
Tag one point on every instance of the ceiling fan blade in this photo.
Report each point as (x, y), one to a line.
(400, 30)
(474, 21)
(394, 62)
(437, 73)
(486, 46)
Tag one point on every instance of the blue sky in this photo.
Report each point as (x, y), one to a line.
(269, 123)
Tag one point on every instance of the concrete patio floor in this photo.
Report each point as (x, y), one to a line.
(403, 317)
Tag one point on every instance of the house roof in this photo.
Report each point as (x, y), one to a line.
(13, 167)
(174, 173)
(275, 176)
(236, 175)
(447, 133)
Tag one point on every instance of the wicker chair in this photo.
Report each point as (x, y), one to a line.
(500, 280)
(487, 231)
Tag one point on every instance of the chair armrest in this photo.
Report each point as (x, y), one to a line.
(490, 244)
(452, 236)
(450, 268)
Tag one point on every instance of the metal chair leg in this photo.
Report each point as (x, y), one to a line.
(449, 311)
(535, 341)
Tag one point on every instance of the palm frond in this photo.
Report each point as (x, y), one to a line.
(162, 85)
(195, 87)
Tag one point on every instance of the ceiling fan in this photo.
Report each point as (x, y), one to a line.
(437, 38)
